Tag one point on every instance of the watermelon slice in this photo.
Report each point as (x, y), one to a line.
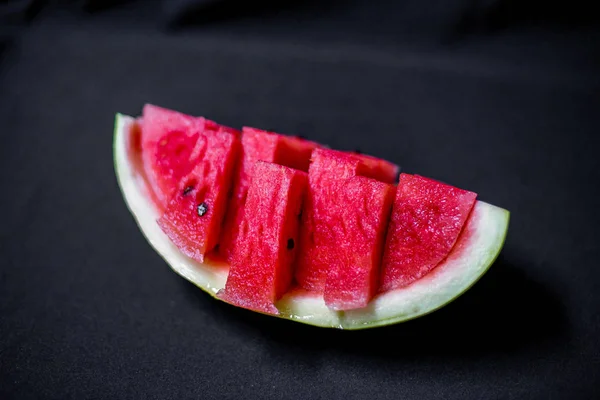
(477, 246)
(261, 270)
(169, 147)
(360, 219)
(321, 215)
(194, 214)
(428, 216)
(260, 145)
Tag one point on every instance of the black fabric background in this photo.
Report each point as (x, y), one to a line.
(498, 97)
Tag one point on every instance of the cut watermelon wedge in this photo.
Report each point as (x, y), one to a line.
(474, 252)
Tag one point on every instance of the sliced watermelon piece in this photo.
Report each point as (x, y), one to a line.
(478, 245)
(360, 217)
(260, 145)
(194, 214)
(261, 270)
(327, 173)
(426, 220)
(169, 147)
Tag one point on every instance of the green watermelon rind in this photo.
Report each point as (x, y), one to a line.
(453, 277)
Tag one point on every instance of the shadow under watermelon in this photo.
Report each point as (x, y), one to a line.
(505, 312)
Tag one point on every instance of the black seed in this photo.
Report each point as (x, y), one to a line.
(290, 244)
(187, 190)
(357, 151)
(202, 209)
(300, 214)
(302, 137)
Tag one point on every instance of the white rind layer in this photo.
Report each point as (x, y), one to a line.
(474, 253)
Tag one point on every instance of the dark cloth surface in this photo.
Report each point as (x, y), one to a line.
(88, 310)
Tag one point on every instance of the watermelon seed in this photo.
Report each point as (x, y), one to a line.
(187, 190)
(290, 244)
(202, 209)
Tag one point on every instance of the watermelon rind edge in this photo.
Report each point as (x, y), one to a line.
(450, 279)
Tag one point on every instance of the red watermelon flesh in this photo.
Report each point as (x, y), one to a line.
(169, 147)
(359, 221)
(259, 145)
(378, 168)
(168, 140)
(295, 152)
(261, 268)
(195, 212)
(327, 173)
(426, 220)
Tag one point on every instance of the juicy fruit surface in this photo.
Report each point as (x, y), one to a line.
(327, 173)
(260, 271)
(473, 254)
(426, 221)
(327, 169)
(377, 168)
(259, 145)
(194, 214)
(168, 142)
(360, 219)
(290, 151)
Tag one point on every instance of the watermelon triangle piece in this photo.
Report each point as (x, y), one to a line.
(359, 222)
(195, 212)
(328, 171)
(261, 270)
(426, 221)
